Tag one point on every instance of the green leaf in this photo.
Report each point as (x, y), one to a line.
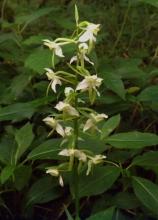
(132, 140)
(115, 84)
(22, 175)
(34, 40)
(107, 214)
(7, 149)
(150, 94)
(6, 173)
(98, 181)
(27, 19)
(20, 111)
(121, 216)
(24, 138)
(151, 2)
(19, 83)
(47, 150)
(16, 111)
(125, 200)
(110, 125)
(40, 59)
(149, 159)
(90, 142)
(43, 190)
(147, 193)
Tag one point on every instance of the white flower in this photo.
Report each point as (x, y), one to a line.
(54, 79)
(55, 47)
(93, 161)
(53, 123)
(74, 58)
(74, 152)
(66, 109)
(55, 172)
(94, 118)
(68, 131)
(90, 32)
(83, 48)
(68, 90)
(89, 83)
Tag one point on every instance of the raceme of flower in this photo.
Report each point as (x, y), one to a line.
(90, 83)
(55, 47)
(53, 123)
(93, 120)
(67, 109)
(55, 79)
(73, 119)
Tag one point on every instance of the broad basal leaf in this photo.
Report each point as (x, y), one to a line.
(115, 84)
(147, 193)
(132, 140)
(149, 159)
(6, 173)
(39, 59)
(23, 137)
(43, 190)
(47, 150)
(98, 181)
(150, 94)
(19, 111)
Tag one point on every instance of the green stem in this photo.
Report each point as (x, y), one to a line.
(75, 170)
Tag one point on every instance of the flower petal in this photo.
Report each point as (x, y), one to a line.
(58, 51)
(74, 58)
(60, 130)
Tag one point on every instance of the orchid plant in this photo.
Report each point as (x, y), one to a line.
(72, 118)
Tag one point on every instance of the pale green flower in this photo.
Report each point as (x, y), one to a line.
(93, 161)
(53, 123)
(90, 32)
(55, 79)
(90, 83)
(93, 120)
(83, 49)
(67, 109)
(75, 153)
(55, 172)
(68, 131)
(68, 91)
(55, 47)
